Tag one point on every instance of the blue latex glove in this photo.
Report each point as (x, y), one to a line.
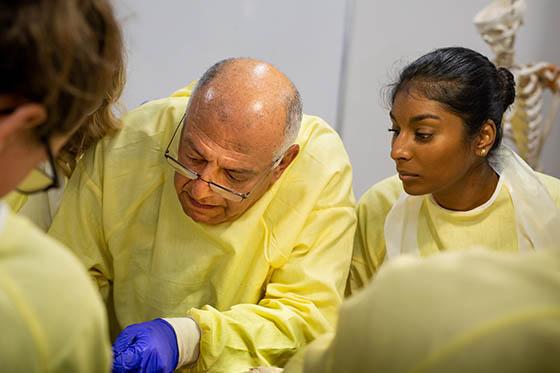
(148, 347)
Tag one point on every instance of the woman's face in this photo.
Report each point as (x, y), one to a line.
(429, 146)
(20, 150)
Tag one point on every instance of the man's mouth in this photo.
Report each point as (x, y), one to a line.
(199, 205)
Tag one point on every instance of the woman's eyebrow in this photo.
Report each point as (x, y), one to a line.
(421, 117)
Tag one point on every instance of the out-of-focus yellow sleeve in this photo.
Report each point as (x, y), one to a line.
(78, 223)
(369, 242)
(470, 311)
(52, 317)
(319, 352)
(302, 298)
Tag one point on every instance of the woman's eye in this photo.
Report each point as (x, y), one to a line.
(395, 131)
(423, 136)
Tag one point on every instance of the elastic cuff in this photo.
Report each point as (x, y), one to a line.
(188, 339)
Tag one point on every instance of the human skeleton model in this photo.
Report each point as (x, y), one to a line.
(524, 125)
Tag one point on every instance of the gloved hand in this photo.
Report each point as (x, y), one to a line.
(148, 347)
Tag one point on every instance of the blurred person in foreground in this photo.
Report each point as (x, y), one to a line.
(57, 64)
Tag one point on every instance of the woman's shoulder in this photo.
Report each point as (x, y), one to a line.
(43, 278)
(382, 194)
(39, 265)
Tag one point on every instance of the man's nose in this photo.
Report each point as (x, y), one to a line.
(200, 188)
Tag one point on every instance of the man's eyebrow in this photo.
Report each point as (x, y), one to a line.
(192, 146)
(241, 171)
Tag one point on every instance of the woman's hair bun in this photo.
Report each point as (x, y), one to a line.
(506, 82)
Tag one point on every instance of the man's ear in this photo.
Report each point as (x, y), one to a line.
(23, 117)
(287, 159)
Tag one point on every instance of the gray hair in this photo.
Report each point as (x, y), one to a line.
(294, 113)
(294, 105)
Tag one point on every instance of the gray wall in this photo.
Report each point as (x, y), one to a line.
(172, 42)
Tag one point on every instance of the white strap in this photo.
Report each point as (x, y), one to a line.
(401, 226)
(536, 214)
(188, 339)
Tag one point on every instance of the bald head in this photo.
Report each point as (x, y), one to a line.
(255, 91)
(238, 137)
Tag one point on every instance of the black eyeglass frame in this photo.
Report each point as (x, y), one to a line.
(55, 181)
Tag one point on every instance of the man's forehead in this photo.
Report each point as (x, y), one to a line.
(215, 138)
(241, 122)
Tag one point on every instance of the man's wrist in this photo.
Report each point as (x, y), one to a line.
(188, 339)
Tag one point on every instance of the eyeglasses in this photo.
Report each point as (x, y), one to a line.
(41, 178)
(221, 190)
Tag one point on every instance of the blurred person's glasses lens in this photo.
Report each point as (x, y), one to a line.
(41, 178)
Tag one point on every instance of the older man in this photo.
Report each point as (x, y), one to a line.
(229, 221)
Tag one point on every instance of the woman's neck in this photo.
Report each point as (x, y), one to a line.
(473, 190)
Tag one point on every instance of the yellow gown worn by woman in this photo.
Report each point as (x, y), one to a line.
(38, 305)
(476, 311)
(39, 208)
(492, 225)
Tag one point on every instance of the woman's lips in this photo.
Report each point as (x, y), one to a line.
(407, 176)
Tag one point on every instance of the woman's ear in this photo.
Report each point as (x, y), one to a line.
(485, 139)
(22, 117)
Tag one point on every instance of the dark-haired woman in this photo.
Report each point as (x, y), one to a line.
(457, 187)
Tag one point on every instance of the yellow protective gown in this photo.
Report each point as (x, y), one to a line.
(438, 229)
(40, 208)
(51, 316)
(259, 287)
(476, 311)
